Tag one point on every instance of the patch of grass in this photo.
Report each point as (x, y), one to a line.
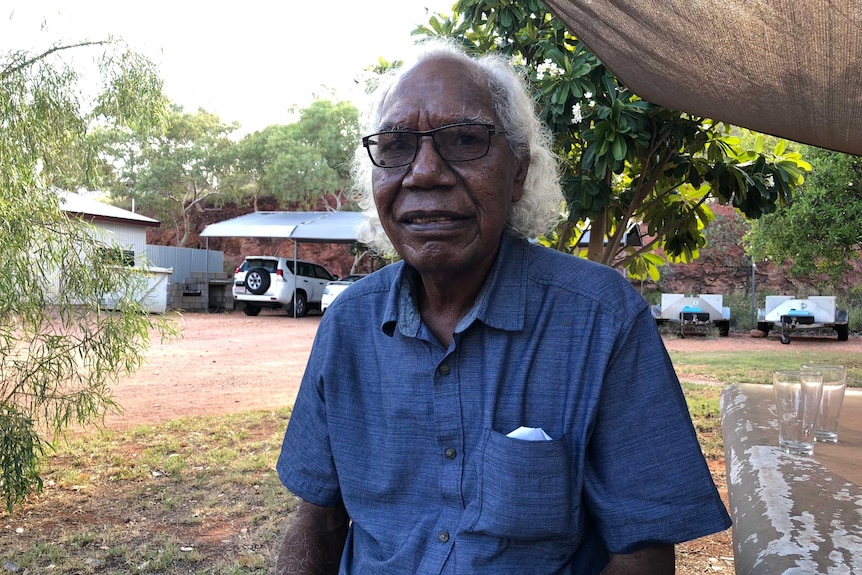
(757, 366)
(724, 368)
(671, 330)
(704, 406)
(196, 495)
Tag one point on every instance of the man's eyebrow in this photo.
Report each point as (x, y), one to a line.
(397, 127)
(392, 128)
(475, 120)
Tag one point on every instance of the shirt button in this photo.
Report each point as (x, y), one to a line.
(443, 369)
(450, 453)
(443, 536)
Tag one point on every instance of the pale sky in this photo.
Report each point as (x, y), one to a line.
(248, 61)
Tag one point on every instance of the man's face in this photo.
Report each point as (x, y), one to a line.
(445, 217)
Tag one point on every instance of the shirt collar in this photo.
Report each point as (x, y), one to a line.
(500, 304)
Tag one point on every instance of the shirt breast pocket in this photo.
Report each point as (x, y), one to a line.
(526, 489)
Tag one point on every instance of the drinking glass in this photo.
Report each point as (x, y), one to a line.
(797, 397)
(834, 385)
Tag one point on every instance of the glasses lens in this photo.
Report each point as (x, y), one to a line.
(463, 142)
(456, 143)
(392, 149)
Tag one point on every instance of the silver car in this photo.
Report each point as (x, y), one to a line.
(333, 288)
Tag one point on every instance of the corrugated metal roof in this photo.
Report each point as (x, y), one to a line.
(87, 206)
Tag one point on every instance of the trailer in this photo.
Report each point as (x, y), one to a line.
(792, 314)
(693, 311)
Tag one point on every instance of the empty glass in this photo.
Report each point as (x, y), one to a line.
(834, 385)
(797, 396)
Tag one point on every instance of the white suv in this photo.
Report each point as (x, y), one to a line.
(268, 281)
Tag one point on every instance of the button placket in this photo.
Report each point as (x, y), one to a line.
(449, 436)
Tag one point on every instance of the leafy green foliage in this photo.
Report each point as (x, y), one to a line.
(300, 162)
(820, 233)
(173, 171)
(193, 162)
(625, 160)
(60, 350)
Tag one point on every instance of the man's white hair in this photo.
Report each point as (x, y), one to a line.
(539, 209)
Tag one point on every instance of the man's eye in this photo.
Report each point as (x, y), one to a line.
(393, 142)
(466, 139)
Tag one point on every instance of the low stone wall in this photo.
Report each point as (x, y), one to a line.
(200, 294)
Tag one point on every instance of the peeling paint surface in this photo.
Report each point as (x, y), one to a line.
(791, 514)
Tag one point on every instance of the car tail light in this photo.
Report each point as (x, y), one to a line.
(279, 273)
(236, 271)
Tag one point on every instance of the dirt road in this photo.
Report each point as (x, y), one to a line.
(222, 363)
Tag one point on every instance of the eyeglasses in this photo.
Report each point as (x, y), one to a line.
(455, 143)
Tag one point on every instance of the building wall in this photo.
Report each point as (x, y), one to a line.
(185, 261)
(130, 237)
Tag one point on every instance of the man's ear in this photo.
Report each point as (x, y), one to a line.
(520, 178)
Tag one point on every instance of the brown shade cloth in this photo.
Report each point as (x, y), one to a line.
(789, 68)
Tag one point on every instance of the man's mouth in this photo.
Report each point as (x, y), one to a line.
(431, 219)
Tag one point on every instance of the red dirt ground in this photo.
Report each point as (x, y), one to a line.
(222, 363)
(229, 362)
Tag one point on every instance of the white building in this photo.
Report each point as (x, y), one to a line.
(113, 225)
(127, 230)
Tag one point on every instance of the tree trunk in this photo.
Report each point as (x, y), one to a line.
(357, 259)
(565, 236)
(597, 239)
(187, 225)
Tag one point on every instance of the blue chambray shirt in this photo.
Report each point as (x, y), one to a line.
(411, 436)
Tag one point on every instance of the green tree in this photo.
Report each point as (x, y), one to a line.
(171, 173)
(625, 161)
(332, 128)
(820, 233)
(303, 161)
(60, 351)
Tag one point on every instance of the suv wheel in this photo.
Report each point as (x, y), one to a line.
(257, 281)
(301, 308)
(251, 309)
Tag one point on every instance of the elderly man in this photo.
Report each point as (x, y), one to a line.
(485, 405)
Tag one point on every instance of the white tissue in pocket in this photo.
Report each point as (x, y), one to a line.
(530, 434)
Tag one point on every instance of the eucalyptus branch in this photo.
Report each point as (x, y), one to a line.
(53, 50)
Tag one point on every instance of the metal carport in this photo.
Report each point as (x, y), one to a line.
(313, 227)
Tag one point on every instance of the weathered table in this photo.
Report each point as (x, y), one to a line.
(791, 514)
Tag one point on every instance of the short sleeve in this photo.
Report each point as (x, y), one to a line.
(305, 465)
(647, 481)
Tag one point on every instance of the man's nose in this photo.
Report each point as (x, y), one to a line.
(428, 167)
